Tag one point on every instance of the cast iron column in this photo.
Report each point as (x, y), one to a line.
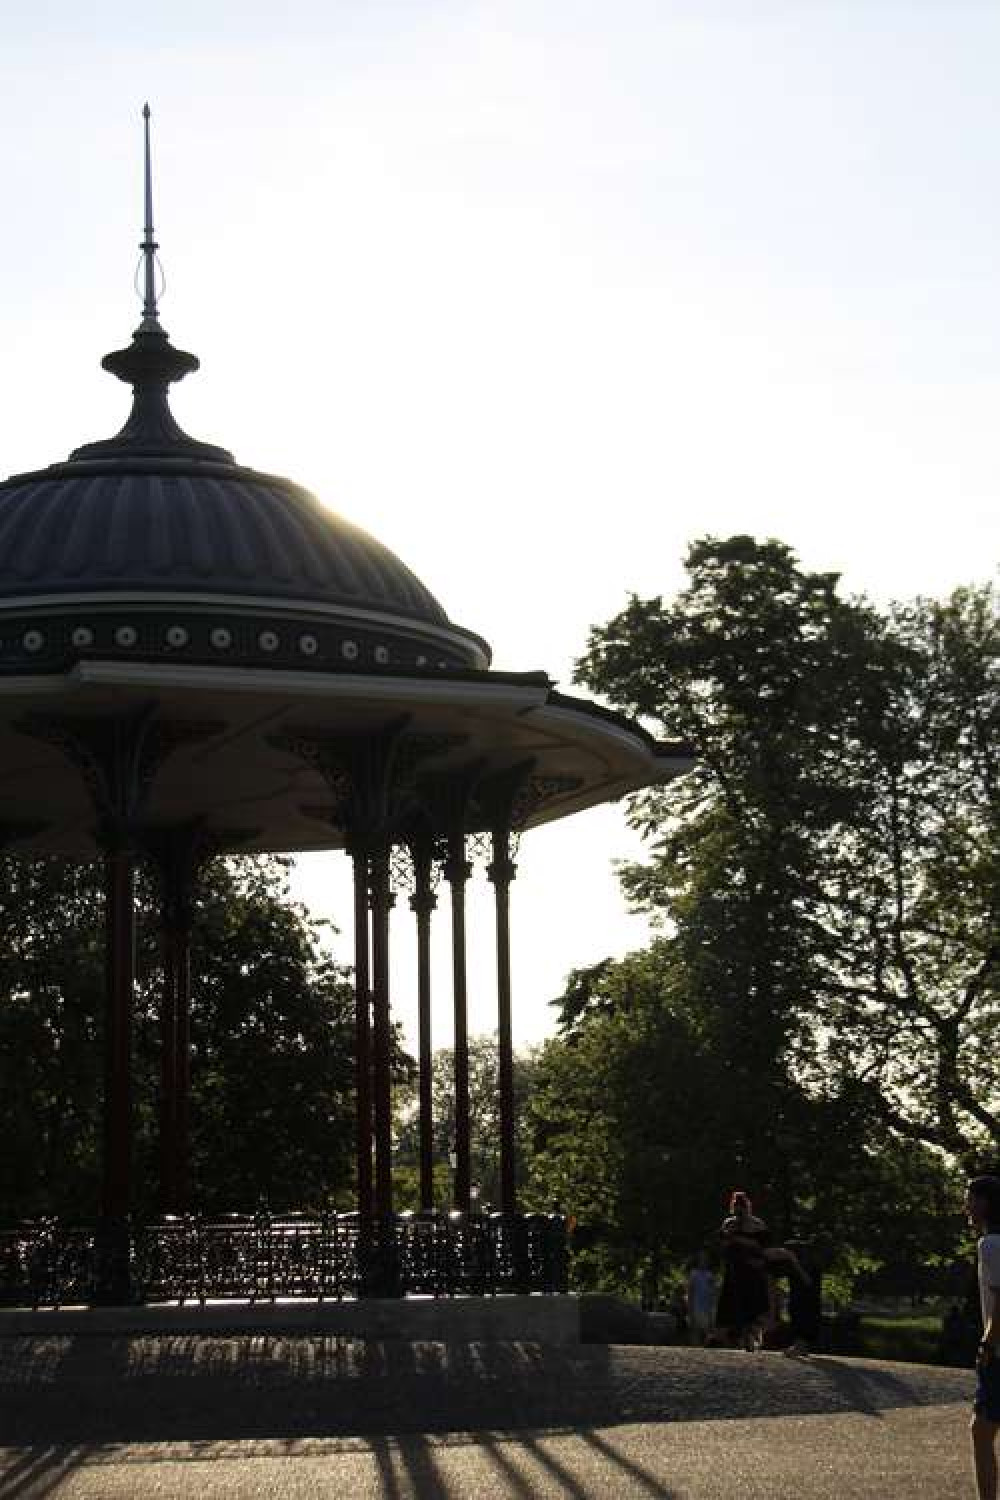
(118, 758)
(422, 903)
(501, 872)
(457, 871)
(180, 941)
(381, 896)
(168, 1069)
(179, 853)
(119, 950)
(362, 1035)
(174, 851)
(175, 1043)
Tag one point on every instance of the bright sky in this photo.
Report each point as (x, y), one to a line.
(536, 292)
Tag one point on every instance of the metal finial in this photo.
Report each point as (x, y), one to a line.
(149, 365)
(148, 245)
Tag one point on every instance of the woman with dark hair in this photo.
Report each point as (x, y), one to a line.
(745, 1300)
(746, 1304)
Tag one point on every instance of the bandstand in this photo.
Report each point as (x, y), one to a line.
(198, 658)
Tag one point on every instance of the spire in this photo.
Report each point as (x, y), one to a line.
(150, 365)
(148, 246)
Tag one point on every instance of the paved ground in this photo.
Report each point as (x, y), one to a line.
(106, 1419)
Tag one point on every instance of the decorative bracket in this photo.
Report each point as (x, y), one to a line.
(118, 759)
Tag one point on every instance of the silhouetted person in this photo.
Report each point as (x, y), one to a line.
(982, 1204)
(805, 1300)
(747, 1303)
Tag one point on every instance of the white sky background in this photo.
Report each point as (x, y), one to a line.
(537, 292)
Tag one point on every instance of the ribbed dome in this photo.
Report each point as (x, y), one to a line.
(153, 521)
(148, 526)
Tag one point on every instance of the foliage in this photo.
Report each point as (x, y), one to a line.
(51, 993)
(272, 1033)
(484, 1118)
(272, 1043)
(831, 868)
(641, 1128)
(915, 1339)
(914, 917)
(818, 1017)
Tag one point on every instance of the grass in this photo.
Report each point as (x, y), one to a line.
(907, 1336)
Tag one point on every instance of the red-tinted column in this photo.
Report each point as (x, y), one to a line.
(423, 902)
(457, 871)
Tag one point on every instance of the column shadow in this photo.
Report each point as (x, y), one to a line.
(648, 1483)
(38, 1471)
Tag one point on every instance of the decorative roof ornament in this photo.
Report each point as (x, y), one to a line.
(150, 365)
(148, 247)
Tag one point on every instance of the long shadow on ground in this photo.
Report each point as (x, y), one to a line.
(66, 1390)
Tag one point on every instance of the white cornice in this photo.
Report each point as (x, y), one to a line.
(152, 675)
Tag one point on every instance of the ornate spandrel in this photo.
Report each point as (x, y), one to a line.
(118, 759)
(356, 770)
(374, 780)
(536, 792)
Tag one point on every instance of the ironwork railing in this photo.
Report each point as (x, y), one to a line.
(263, 1256)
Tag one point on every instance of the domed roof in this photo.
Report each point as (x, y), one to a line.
(151, 526)
(152, 514)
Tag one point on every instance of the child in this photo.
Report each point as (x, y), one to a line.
(701, 1300)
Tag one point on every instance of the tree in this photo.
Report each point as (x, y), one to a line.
(484, 1121)
(51, 990)
(766, 672)
(914, 918)
(826, 882)
(272, 1109)
(272, 1065)
(640, 1126)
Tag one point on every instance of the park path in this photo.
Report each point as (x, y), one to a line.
(917, 1452)
(113, 1419)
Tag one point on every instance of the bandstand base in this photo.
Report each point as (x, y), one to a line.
(552, 1319)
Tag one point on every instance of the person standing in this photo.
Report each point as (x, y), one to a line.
(805, 1300)
(982, 1205)
(701, 1300)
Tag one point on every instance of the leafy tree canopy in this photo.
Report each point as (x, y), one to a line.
(272, 1043)
(831, 868)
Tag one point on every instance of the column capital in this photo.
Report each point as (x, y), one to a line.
(116, 836)
(501, 870)
(423, 902)
(457, 871)
(180, 853)
(381, 896)
(361, 846)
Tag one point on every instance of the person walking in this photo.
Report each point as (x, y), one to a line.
(982, 1205)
